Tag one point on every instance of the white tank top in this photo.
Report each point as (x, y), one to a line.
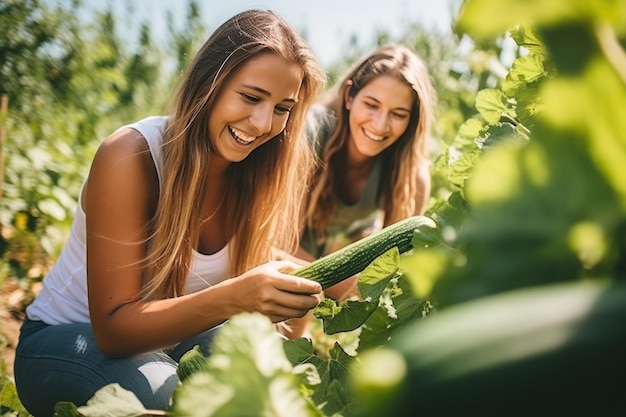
(63, 298)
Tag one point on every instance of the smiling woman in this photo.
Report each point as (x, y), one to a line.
(371, 135)
(254, 106)
(177, 224)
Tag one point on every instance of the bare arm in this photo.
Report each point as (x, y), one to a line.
(424, 184)
(119, 200)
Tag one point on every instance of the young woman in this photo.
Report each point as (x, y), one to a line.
(177, 224)
(371, 137)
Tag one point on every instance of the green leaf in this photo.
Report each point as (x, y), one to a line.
(462, 168)
(469, 131)
(423, 268)
(503, 132)
(66, 409)
(525, 36)
(529, 104)
(248, 374)
(308, 374)
(593, 105)
(298, 350)
(487, 19)
(9, 398)
(491, 103)
(113, 401)
(348, 315)
(375, 277)
(332, 394)
(401, 306)
(524, 70)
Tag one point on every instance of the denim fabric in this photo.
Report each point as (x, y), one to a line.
(63, 363)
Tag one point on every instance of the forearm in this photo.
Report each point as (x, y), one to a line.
(144, 326)
(147, 326)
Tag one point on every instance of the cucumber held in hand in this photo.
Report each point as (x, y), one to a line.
(354, 258)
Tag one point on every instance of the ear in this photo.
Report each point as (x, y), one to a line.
(346, 95)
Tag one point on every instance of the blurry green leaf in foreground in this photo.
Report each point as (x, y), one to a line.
(594, 105)
(485, 19)
(110, 401)
(247, 374)
(548, 350)
(525, 202)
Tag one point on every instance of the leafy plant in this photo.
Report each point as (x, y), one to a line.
(529, 193)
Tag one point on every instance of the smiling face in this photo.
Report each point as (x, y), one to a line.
(379, 115)
(253, 106)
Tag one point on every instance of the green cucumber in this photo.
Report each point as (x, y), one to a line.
(354, 258)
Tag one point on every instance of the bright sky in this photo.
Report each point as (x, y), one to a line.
(328, 24)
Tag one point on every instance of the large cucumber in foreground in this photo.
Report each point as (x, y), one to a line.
(354, 258)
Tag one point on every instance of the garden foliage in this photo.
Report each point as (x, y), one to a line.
(530, 207)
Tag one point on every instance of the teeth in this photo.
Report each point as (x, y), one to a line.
(241, 136)
(373, 136)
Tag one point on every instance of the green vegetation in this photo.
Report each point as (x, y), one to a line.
(513, 300)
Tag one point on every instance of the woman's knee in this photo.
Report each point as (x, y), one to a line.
(63, 363)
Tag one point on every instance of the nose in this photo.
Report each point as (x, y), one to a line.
(261, 119)
(380, 121)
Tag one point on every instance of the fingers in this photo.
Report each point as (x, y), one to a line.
(269, 289)
(280, 305)
(286, 266)
(291, 283)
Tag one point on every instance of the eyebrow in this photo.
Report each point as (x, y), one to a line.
(396, 108)
(267, 93)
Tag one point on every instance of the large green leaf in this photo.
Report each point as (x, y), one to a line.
(247, 374)
(486, 19)
(110, 401)
(331, 394)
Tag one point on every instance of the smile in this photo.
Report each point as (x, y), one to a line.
(372, 136)
(240, 136)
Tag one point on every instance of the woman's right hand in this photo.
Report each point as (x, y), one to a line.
(270, 290)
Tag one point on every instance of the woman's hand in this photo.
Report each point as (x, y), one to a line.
(270, 290)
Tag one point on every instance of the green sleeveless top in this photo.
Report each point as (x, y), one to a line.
(347, 221)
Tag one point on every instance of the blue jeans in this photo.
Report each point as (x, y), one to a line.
(63, 363)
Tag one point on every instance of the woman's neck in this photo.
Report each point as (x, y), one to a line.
(353, 178)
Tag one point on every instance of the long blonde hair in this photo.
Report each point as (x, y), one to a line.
(263, 190)
(399, 193)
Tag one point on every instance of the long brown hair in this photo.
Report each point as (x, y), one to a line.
(263, 190)
(399, 192)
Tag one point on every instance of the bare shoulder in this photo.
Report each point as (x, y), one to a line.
(124, 152)
(124, 146)
(123, 166)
